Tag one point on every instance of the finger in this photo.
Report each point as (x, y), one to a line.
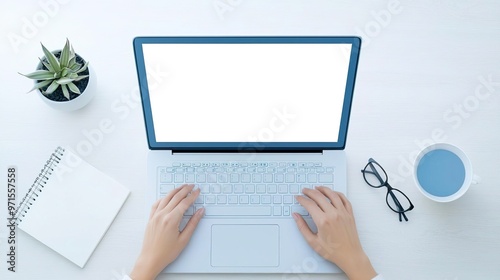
(187, 202)
(311, 207)
(164, 202)
(319, 198)
(191, 225)
(154, 208)
(178, 197)
(346, 202)
(333, 196)
(304, 229)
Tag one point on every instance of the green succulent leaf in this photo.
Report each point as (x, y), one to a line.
(53, 86)
(72, 62)
(75, 67)
(41, 85)
(81, 78)
(65, 91)
(73, 88)
(39, 75)
(65, 55)
(64, 81)
(64, 72)
(51, 58)
(73, 76)
(49, 67)
(84, 67)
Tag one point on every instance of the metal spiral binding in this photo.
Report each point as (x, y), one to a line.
(37, 186)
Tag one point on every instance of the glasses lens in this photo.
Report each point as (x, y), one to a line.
(397, 201)
(375, 175)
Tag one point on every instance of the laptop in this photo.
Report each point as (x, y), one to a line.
(251, 121)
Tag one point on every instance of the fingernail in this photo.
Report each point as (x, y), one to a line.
(202, 212)
(195, 187)
(294, 215)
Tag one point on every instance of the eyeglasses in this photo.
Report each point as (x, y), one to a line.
(376, 177)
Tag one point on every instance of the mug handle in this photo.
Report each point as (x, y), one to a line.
(476, 179)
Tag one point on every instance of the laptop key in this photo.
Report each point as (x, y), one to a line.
(166, 177)
(166, 188)
(200, 178)
(268, 178)
(294, 188)
(232, 199)
(249, 188)
(271, 189)
(286, 211)
(257, 178)
(299, 209)
(238, 188)
(234, 178)
(215, 188)
(261, 188)
(283, 188)
(245, 178)
(301, 178)
(221, 199)
(325, 178)
(279, 178)
(243, 199)
(189, 178)
(179, 178)
(238, 211)
(265, 199)
(211, 178)
(222, 178)
(287, 199)
(312, 178)
(276, 210)
(227, 188)
(210, 199)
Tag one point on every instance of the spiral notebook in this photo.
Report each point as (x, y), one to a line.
(70, 206)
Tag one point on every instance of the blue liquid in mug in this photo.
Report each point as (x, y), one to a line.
(441, 173)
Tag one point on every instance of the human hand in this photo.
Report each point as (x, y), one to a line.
(337, 237)
(163, 241)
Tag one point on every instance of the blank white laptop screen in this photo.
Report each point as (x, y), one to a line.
(247, 92)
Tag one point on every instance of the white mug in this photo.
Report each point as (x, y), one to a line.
(440, 168)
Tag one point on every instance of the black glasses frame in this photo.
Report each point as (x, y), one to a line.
(390, 190)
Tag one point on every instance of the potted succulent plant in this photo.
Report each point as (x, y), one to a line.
(63, 79)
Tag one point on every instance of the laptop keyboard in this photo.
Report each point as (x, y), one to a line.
(257, 189)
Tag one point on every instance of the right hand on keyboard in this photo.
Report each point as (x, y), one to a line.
(337, 237)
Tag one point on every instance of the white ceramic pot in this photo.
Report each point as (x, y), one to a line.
(78, 102)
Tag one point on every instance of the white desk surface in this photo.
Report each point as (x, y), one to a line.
(421, 61)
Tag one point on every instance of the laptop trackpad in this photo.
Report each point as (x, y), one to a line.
(245, 245)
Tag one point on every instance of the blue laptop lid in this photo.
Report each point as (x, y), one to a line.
(162, 116)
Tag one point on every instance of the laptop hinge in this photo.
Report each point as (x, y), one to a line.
(315, 151)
